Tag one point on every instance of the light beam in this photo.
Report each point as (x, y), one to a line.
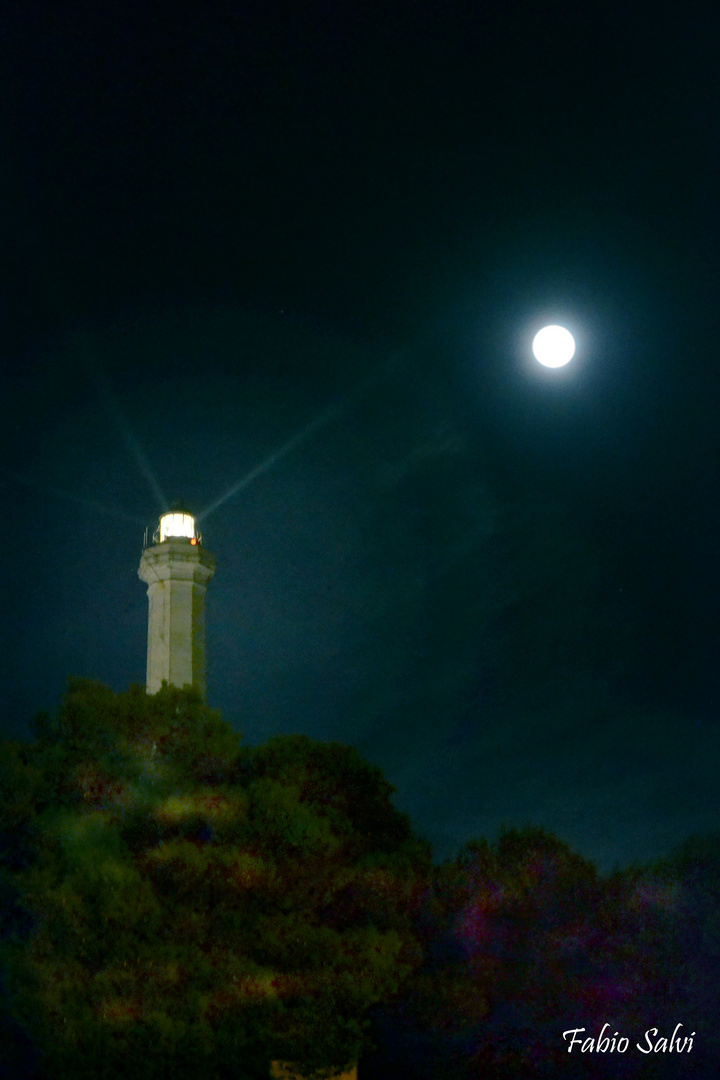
(112, 405)
(63, 493)
(329, 414)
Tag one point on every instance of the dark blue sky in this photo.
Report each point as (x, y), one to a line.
(225, 225)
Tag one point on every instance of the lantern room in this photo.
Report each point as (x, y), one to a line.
(176, 524)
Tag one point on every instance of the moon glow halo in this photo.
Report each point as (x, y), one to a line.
(553, 346)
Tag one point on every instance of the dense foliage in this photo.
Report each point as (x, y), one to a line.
(524, 941)
(172, 902)
(175, 903)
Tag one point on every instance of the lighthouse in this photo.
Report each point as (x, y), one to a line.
(176, 568)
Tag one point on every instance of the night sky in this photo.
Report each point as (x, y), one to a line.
(307, 246)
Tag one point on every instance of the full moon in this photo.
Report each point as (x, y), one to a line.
(553, 346)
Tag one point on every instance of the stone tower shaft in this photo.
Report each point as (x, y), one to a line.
(176, 571)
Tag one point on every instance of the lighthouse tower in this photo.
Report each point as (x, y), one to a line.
(176, 569)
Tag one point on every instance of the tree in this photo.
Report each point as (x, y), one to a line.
(687, 883)
(524, 940)
(197, 907)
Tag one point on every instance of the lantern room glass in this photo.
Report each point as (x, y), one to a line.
(177, 525)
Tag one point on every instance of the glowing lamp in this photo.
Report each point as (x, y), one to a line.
(177, 525)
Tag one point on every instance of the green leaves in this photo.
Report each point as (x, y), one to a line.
(193, 902)
(282, 818)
